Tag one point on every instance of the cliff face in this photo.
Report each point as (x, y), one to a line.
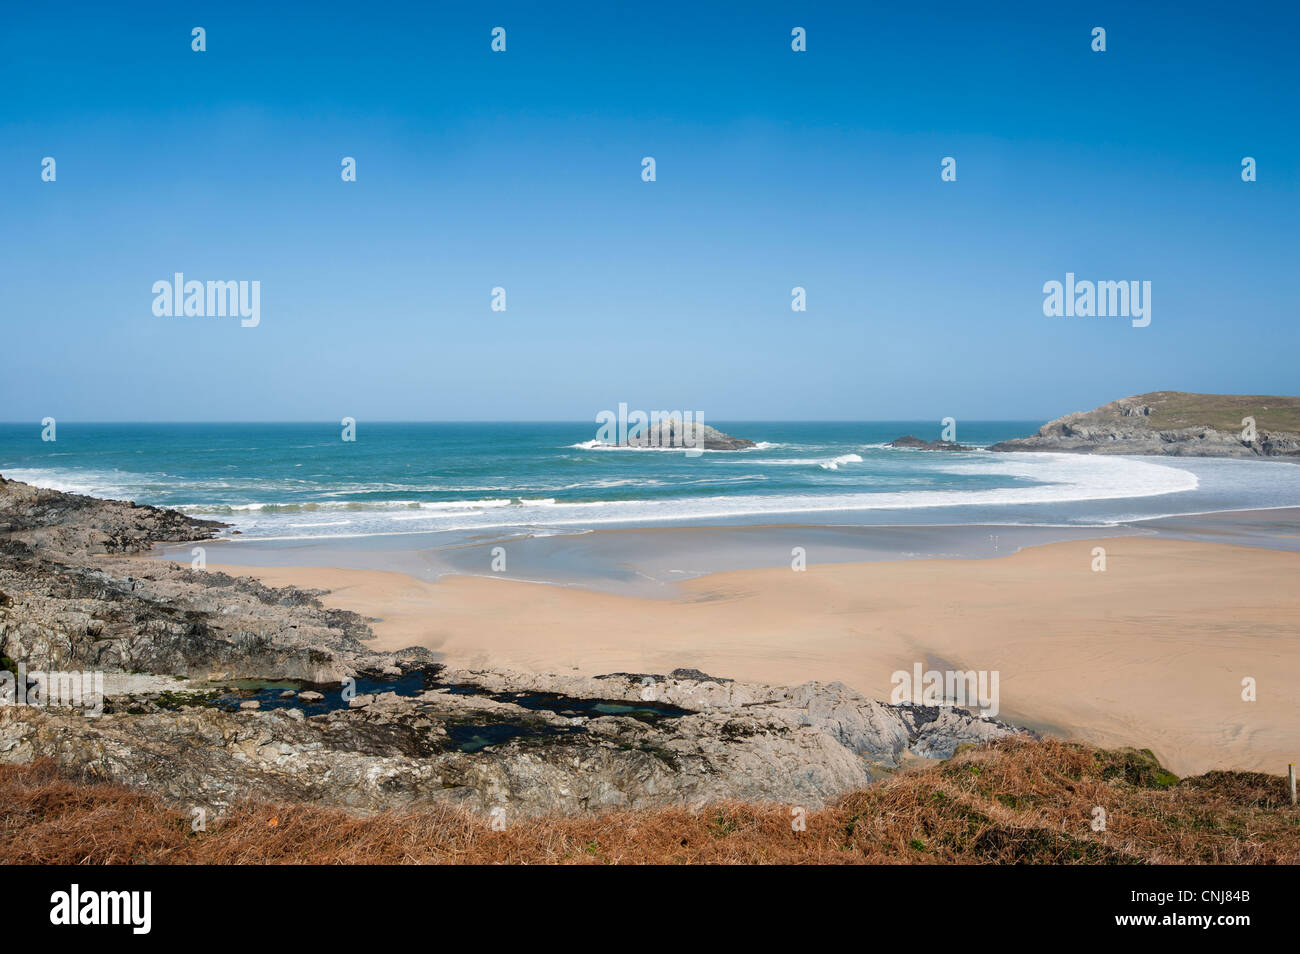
(1176, 424)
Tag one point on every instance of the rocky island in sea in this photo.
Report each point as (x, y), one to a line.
(911, 442)
(672, 432)
(1178, 424)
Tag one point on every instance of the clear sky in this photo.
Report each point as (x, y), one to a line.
(522, 169)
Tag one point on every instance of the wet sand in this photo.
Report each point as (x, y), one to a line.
(1150, 653)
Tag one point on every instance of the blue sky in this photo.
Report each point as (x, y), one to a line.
(522, 170)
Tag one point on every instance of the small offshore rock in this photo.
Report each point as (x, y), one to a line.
(915, 443)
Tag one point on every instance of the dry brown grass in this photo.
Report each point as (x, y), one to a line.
(1011, 802)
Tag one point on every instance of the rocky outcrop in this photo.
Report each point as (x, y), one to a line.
(68, 601)
(75, 526)
(673, 433)
(220, 688)
(155, 616)
(464, 740)
(915, 443)
(1176, 424)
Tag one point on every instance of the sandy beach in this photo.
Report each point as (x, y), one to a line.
(1149, 653)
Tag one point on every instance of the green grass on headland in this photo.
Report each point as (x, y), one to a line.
(1224, 412)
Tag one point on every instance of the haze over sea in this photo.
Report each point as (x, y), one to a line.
(301, 480)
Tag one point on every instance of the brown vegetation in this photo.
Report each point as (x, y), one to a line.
(1013, 801)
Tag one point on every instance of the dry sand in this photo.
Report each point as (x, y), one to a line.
(1150, 653)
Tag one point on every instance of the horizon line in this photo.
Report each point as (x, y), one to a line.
(754, 420)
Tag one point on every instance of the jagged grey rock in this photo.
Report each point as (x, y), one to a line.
(800, 745)
(1133, 426)
(915, 443)
(672, 432)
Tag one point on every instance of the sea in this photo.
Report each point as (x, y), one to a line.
(292, 481)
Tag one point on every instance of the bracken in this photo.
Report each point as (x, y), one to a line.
(1012, 801)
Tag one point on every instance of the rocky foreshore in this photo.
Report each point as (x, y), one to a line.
(1176, 424)
(220, 688)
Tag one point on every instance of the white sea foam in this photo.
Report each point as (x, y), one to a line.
(612, 482)
(602, 446)
(466, 504)
(824, 463)
(95, 483)
(1058, 479)
(837, 462)
(1040, 479)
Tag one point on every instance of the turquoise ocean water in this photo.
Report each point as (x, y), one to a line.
(301, 480)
